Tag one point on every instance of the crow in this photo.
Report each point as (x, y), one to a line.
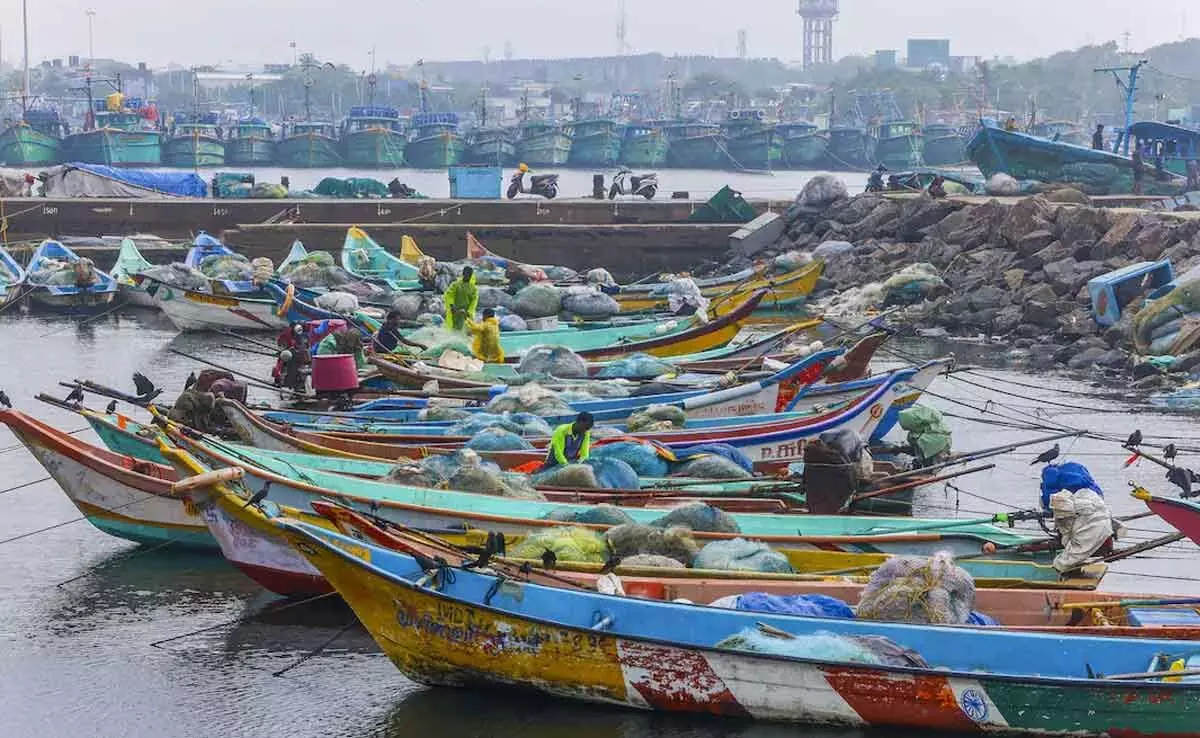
(4, 399)
(1181, 478)
(112, 408)
(259, 496)
(190, 381)
(146, 391)
(1134, 440)
(1169, 452)
(1046, 456)
(549, 559)
(76, 396)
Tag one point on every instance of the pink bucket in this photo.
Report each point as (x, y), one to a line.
(334, 373)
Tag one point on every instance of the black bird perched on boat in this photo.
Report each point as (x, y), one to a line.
(190, 381)
(549, 559)
(146, 391)
(1046, 456)
(259, 496)
(76, 396)
(1134, 440)
(112, 408)
(4, 399)
(1169, 452)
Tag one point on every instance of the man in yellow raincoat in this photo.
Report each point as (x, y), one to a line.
(461, 298)
(486, 345)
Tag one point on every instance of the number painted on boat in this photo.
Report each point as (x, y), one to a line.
(381, 211)
(974, 705)
(49, 210)
(189, 507)
(220, 212)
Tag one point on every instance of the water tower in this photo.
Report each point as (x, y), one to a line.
(818, 18)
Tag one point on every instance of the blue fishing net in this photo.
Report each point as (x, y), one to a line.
(718, 449)
(741, 555)
(812, 606)
(636, 366)
(497, 439)
(698, 516)
(641, 457)
(614, 473)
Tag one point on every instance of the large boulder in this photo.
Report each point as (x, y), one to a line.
(1037, 292)
(1028, 215)
(1087, 358)
(1066, 276)
(1006, 320)
(821, 191)
(1151, 241)
(1035, 241)
(988, 297)
(1082, 224)
(922, 213)
(857, 208)
(1041, 314)
(1056, 251)
(881, 222)
(1118, 238)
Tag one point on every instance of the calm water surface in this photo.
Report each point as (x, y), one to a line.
(80, 611)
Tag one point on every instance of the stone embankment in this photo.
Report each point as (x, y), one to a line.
(1015, 270)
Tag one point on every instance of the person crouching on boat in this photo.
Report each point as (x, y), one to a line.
(570, 443)
(461, 298)
(486, 345)
(344, 340)
(388, 337)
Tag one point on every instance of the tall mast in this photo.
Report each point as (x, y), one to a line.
(1129, 87)
(25, 33)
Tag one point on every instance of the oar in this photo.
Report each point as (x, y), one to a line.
(245, 350)
(274, 349)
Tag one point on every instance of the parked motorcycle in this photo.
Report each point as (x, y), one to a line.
(627, 183)
(545, 185)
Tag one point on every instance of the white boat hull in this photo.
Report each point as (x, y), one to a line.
(197, 311)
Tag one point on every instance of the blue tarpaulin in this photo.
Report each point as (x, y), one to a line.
(1069, 475)
(180, 184)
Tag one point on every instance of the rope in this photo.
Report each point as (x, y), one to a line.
(23, 486)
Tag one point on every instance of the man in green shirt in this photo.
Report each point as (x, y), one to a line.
(570, 442)
(461, 298)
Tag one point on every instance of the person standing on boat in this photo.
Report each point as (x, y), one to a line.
(388, 337)
(1138, 173)
(1098, 137)
(486, 345)
(570, 443)
(461, 298)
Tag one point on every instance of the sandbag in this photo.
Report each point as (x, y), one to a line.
(599, 276)
(633, 539)
(916, 589)
(578, 476)
(928, 434)
(552, 361)
(513, 322)
(342, 303)
(538, 300)
(494, 297)
(589, 302)
(822, 190)
(719, 449)
(580, 545)
(636, 366)
(642, 458)
(602, 514)
(741, 555)
(497, 439)
(700, 517)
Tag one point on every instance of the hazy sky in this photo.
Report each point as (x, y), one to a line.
(257, 31)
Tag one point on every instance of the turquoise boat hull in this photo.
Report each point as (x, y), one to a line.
(596, 144)
(380, 148)
(809, 151)
(250, 151)
(190, 152)
(698, 152)
(115, 147)
(900, 152)
(436, 151)
(491, 148)
(22, 145)
(850, 148)
(761, 149)
(549, 149)
(307, 151)
(647, 150)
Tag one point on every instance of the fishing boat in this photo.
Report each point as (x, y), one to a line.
(374, 136)
(851, 147)
(120, 496)
(491, 147)
(57, 279)
(205, 250)
(436, 142)
(119, 132)
(898, 145)
(12, 278)
(804, 146)
(1023, 156)
(542, 143)
(751, 142)
(1181, 514)
(644, 145)
(33, 141)
(133, 288)
(308, 144)
(595, 142)
(943, 145)
(696, 145)
(250, 143)
(194, 141)
(654, 655)
(189, 310)
(790, 289)
(365, 259)
(1177, 145)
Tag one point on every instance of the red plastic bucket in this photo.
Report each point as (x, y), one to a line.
(334, 373)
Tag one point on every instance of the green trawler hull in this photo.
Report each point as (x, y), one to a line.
(850, 148)
(24, 146)
(648, 150)
(762, 149)
(250, 151)
(115, 147)
(602, 149)
(1027, 157)
(900, 152)
(552, 148)
(189, 152)
(307, 150)
(499, 152)
(698, 152)
(375, 147)
(805, 152)
(436, 151)
(944, 146)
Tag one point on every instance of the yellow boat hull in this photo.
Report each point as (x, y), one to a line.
(794, 286)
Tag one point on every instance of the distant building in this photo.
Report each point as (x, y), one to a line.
(925, 52)
(964, 64)
(886, 58)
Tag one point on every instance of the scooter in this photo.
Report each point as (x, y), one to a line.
(545, 185)
(626, 183)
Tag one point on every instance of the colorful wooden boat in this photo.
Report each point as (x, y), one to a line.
(1178, 144)
(595, 142)
(644, 145)
(791, 288)
(127, 271)
(194, 142)
(12, 278)
(120, 495)
(308, 144)
(653, 655)
(250, 143)
(33, 141)
(69, 298)
(436, 142)
(543, 143)
(1183, 515)
(189, 310)
(1062, 131)
(995, 150)
(374, 136)
(365, 259)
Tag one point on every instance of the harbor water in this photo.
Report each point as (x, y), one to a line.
(99, 637)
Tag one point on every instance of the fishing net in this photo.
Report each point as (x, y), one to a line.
(790, 261)
(636, 366)
(614, 474)
(652, 561)
(656, 418)
(928, 434)
(576, 476)
(494, 297)
(602, 514)
(700, 517)
(1160, 318)
(633, 539)
(710, 466)
(552, 361)
(62, 273)
(741, 555)
(442, 412)
(179, 275)
(513, 322)
(231, 267)
(538, 300)
(438, 341)
(588, 302)
(408, 304)
(643, 458)
(723, 450)
(530, 398)
(911, 284)
(916, 589)
(262, 270)
(599, 276)
(556, 273)
(824, 646)
(579, 545)
(497, 439)
(683, 292)
(463, 470)
(521, 424)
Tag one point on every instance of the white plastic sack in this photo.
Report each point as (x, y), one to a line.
(342, 303)
(684, 291)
